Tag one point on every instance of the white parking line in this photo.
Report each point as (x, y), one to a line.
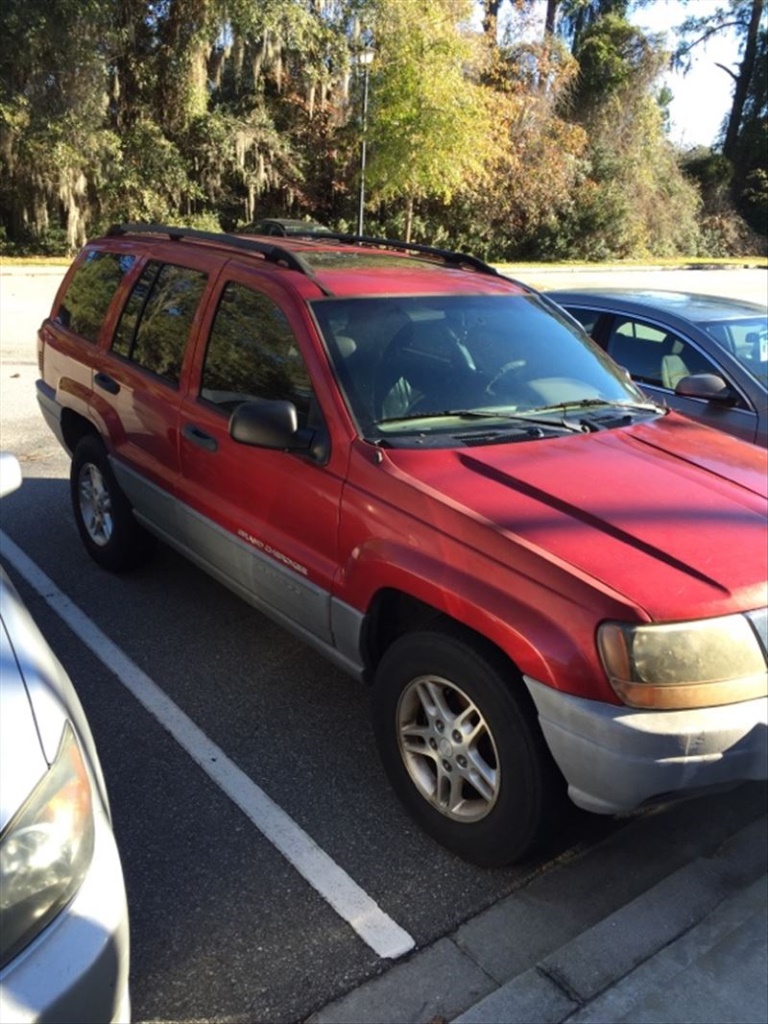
(352, 903)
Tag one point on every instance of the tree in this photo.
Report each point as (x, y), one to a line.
(429, 126)
(745, 135)
(537, 162)
(745, 17)
(54, 146)
(641, 202)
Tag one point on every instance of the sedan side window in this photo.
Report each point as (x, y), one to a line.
(587, 318)
(253, 353)
(655, 356)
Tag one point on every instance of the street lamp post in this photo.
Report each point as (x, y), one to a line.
(364, 59)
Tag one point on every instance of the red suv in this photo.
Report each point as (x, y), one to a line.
(430, 474)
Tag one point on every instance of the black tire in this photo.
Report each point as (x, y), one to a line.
(492, 800)
(104, 517)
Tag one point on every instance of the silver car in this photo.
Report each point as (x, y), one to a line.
(63, 915)
(703, 356)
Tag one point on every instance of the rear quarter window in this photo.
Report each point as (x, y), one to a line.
(90, 292)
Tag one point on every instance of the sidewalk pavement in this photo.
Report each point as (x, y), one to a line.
(690, 948)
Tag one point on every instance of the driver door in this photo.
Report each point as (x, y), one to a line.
(263, 521)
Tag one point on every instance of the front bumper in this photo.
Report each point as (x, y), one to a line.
(76, 969)
(615, 758)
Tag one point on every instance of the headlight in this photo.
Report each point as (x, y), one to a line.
(685, 664)
(46, 849)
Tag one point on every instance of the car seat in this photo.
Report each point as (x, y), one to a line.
(673, 367)
(424, 365)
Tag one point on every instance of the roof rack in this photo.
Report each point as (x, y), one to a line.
(454, 259)
(272, 253)
(293, 260)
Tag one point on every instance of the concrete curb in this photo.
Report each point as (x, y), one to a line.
(711, 973)
(576, 974)
(530, 959)
(30, 270)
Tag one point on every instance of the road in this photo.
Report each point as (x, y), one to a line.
(224, 926)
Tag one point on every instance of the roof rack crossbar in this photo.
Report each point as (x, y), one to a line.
(456, 259)
(271, 252)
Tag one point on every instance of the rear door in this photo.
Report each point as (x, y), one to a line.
(266, 522)
(138, 383)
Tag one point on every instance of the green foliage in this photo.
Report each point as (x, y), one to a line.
(429, 122)
(215, 112)
(754, 200)
(148, 179)
(712, 172)
(616, 59)
(635, 201)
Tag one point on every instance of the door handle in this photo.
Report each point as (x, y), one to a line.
(106, 383)
(200, 438)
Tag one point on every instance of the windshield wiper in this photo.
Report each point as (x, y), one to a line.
(610, 403)
(485, 414)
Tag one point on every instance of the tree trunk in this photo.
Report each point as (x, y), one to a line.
(491, 20)
(409, 219)
(549, 23)
(746, 70)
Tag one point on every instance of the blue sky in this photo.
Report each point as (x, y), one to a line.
(703, 96)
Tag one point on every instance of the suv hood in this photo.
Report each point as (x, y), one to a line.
(668, 514)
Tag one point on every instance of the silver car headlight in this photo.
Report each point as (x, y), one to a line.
(46, 849)
(684, 664)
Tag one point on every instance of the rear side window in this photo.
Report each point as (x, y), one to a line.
(155, 323)
(90, 292)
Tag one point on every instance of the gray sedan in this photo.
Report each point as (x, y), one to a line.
(64, 947)
(705, 357)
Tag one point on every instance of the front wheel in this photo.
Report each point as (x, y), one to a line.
(103, 514)
(462, 748)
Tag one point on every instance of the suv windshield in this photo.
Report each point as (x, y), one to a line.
(437, 364)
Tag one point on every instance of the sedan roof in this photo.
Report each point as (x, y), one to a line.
(697, 308)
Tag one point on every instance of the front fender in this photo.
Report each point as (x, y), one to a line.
(546, 634)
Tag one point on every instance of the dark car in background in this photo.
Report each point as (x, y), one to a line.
(706, 357)
(283, 227)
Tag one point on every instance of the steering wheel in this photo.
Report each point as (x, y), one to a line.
(509, 373)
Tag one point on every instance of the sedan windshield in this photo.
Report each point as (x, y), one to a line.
(747, 340)
(444, 363)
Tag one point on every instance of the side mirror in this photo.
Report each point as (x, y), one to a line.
(709, 386)
(267, 423)
(10, 473)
